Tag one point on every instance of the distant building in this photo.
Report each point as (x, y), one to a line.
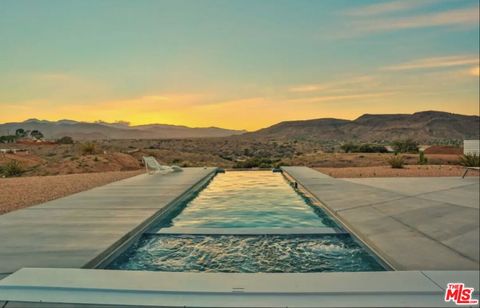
(471, 147)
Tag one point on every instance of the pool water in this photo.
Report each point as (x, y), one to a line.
(249, 199)
(246, 199)
(247, 254)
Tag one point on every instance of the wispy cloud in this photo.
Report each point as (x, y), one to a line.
(385, 8)
(435, 62)
(458, 17)
(326, 98)
(339, 85)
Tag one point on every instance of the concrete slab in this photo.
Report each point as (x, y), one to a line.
(73, 231)
(411, 186)
(443, 278)
(437, 218)
(61, 305)
(465, 243)
(81, 286)
(467, 196)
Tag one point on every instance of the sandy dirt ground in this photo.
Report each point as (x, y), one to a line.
(16, 193)
(387, 171)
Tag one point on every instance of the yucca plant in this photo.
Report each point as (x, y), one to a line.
(396, 161)
(470, 160)
(422, 159)
(12, 168)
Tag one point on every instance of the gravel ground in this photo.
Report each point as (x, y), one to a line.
(387, 171)
(17, 193)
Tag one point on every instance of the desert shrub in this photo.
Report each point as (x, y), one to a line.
(405, 146)
(363, 148)
(256, 163)
(470, 160)
(349, 147)
(396, 161)
(89, 148)
(12, 168)
(372, 148)
(65, 140)
(422, 159)
(8, 139)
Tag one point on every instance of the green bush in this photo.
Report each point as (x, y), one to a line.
(405, 146)
(363, 148)
(470, 160)
(89, 148)
(396, 161)
(12, 168)
(422, 159)
(256, 163)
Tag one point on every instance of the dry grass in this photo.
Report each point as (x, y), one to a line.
(17, 193)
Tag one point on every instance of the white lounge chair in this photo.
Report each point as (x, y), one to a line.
(152, 166)
(469, 168)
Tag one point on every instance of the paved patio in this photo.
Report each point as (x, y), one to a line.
(78, 230)
(413, 223)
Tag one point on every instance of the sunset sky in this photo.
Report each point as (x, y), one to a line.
(235, 64)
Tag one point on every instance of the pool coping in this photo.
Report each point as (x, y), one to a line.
(248, 231)
(340, 289)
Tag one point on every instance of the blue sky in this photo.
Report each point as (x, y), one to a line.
(236, 64)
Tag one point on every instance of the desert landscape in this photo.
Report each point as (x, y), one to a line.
(294, 153)
(43, 169)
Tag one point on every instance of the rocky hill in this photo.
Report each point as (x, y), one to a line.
(103, 130)
(420, 126)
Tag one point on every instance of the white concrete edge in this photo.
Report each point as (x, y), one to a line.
(88, 286)
(247, 231)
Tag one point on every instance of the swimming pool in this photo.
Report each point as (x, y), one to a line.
(247, 201)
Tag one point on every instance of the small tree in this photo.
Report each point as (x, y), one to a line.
(36, 134)
(20, 133)
(405, 146)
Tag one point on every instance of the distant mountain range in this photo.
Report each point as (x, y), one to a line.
(420, 126)
(120, 130)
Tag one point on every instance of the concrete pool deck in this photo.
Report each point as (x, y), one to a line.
(412, 223)
(74, 231)
(166, 289)
(423, 227)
